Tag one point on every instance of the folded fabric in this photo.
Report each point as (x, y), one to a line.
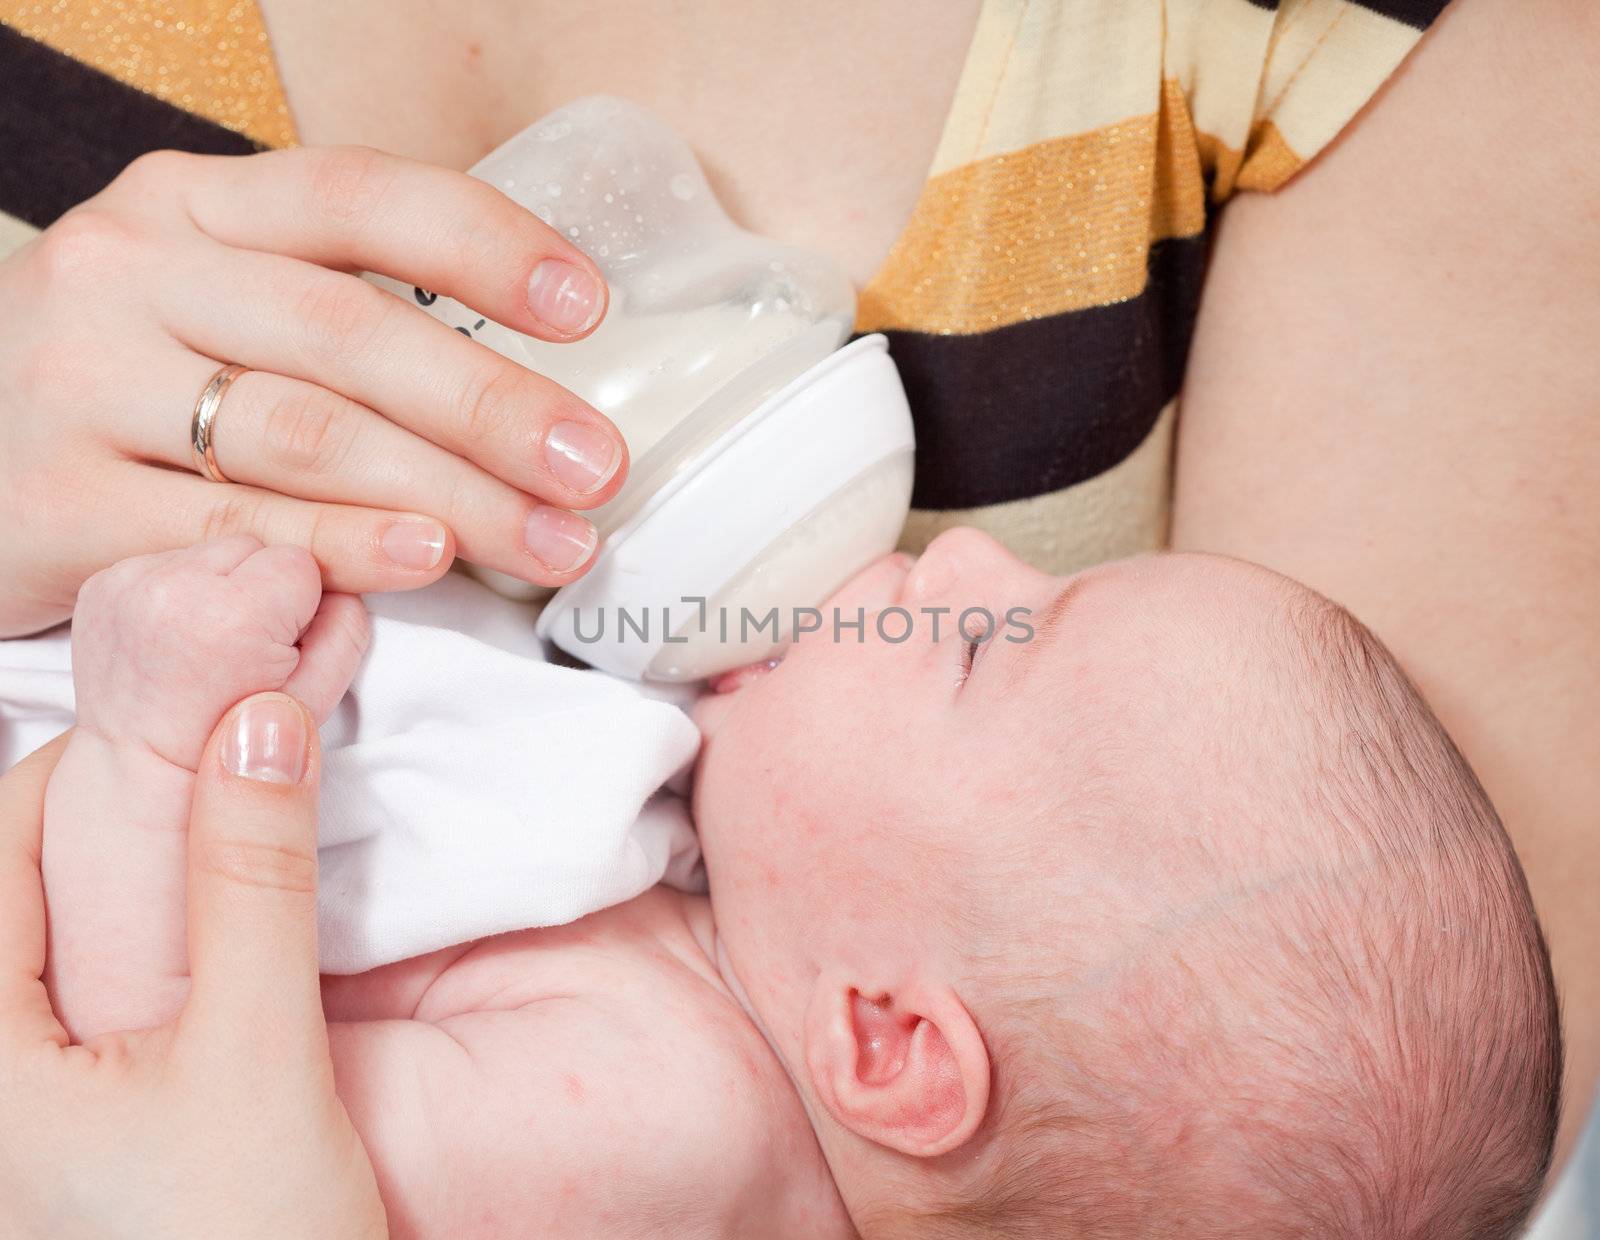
(469, 785)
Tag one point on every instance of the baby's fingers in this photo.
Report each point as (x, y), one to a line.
(331, 650)
(26, 1018)
(285, 584)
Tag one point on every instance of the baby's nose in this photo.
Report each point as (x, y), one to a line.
(964, 557)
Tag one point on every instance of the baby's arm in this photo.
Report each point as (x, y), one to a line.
(162, 646)
(576, 1076)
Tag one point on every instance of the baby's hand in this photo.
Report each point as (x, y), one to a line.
(163, 645)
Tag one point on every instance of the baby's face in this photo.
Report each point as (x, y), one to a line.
(867, 792)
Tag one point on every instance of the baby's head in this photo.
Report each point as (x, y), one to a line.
(1183, 917)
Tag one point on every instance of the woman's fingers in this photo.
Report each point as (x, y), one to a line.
(252, 879)
(343, 334)
(360, 550)
(354, 208)
(25, 1013)
(298, 439)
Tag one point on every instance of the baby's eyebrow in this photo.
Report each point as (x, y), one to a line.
(1048, 626)
(1046, 631)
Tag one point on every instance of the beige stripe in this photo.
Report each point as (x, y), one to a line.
(209, 57)
(1060, 226)
(1290, 83)
(1038, 69)
(1216, 50)
(1329, 59)
(1123, 511)
(14, 233)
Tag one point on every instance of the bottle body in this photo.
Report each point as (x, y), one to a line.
(708, 327)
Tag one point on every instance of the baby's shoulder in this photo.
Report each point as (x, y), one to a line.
(595, 1074)
(710, 1113)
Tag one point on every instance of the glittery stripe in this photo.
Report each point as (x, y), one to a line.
(1269, 163)
(1062, 225)
(209, 57)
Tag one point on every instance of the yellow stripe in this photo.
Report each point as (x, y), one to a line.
(1270, 162)
(1061, 225)
(209, 57)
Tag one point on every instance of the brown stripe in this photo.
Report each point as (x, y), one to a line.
(1058, 226)
(207, 57)
(67, 129)
(1035, 406)
(1121, 512)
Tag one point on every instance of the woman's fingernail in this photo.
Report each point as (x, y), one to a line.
(561, 539)
(266, 740)
(581, 456)
(414, 544)
(565, 297)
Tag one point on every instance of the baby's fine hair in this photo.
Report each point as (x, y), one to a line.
(1368, 1050)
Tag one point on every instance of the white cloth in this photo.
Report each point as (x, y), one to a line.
(469, 785)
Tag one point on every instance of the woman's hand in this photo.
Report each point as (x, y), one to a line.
(223, 1122)
(365, 431)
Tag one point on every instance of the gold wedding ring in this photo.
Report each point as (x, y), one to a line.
(202, 437)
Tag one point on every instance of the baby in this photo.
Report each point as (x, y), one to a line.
(1182, 918)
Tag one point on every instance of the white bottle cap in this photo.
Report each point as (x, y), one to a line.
(784, 465)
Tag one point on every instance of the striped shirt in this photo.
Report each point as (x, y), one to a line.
(1042, 299)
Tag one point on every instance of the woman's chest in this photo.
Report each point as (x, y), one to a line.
(816, 123)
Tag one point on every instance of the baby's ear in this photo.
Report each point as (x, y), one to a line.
(905, 1068)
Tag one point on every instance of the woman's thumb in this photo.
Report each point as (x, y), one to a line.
(253, 874)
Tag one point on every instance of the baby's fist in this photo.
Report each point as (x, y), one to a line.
(163, 645)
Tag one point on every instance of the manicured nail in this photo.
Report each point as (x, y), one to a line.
(266, 740)
(565, 297)
(562, 540)
(581, 456)
(414, 544)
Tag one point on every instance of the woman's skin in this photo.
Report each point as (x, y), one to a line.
(222, 1121)
(1395, 398)
(816, 122)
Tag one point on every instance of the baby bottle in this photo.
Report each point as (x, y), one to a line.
(768, 463)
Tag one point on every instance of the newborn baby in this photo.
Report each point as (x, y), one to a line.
(1183, 918)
